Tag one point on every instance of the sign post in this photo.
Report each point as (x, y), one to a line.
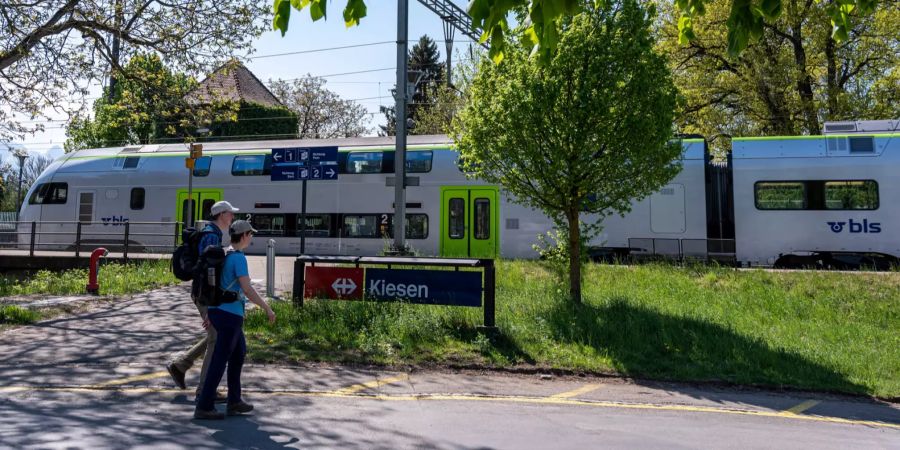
(196, 152)
(303, 163)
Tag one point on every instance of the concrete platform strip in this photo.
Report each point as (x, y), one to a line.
(550, 400)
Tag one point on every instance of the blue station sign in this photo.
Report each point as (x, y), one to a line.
(304, 163)
(432, 287)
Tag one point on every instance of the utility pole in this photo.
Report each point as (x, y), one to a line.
(400, 135)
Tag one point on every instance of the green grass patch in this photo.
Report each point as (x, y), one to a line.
(811, 330)
(114, 279)
(14, 315)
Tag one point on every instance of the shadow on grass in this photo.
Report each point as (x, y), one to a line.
(646, 343)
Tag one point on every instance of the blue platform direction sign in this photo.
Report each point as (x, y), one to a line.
(306, 163)
(285, 172)
(432, 287)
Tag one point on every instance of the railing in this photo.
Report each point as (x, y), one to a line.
(122, 237)
(722, 250)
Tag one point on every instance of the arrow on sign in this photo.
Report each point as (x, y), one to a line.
(276, 156)
(343, 286)
(330, 172)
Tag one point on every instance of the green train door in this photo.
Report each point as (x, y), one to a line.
(203, 199)
(470, 222)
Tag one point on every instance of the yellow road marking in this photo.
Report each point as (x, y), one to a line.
(576, 392)
(126, 380)
(481, 398)
(371, 384)
(802, 407)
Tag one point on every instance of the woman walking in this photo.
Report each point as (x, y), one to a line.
(228, 320)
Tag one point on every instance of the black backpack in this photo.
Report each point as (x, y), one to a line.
(209, 270)
(184, 259)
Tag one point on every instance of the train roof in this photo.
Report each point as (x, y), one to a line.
(387, 142)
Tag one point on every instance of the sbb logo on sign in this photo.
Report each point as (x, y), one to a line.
(334, 282)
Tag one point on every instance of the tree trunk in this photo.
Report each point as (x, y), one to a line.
(804, 81)
(574, 256)
(831, 83)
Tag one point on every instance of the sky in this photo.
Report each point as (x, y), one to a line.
(370, 88)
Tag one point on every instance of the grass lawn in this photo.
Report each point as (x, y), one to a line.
(810, 330)
(115, 279)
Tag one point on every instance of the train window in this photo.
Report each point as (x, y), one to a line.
(482, 219)
(457, 218)
(364, 162)
(250, 165)
(851, 194)
(862, 145)
(416, 226)
(780, 195)
(131, 162)
(419, 162)
(206, 208)
(202, 165)
(49, 194)
(317, 225)
(360, 226)
(137, 198)
(268, 224)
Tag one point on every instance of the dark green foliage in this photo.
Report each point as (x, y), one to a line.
(255, 122)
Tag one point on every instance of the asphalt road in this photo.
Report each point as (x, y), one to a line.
(97, 380)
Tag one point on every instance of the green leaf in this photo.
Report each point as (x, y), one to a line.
(317, 9)
(770, 9)
(355, 10)
(282, 15)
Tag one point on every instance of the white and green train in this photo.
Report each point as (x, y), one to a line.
(745, 210)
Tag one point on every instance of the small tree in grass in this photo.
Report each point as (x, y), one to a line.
(581, 136)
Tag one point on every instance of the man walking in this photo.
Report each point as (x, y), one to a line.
(222, 214)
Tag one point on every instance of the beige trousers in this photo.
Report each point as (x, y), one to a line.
(204, 346)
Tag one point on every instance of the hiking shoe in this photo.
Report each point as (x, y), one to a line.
(212, 414)
(241, 407)
(177, 375)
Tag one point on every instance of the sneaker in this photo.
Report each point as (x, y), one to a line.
(241, 407)
(208, 415)
(177, 375)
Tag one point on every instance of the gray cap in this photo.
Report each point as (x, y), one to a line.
(222, 206)
(240, 227)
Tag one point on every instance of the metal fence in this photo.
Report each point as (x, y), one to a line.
(78, 237)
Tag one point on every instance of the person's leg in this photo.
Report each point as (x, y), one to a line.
(186, 360)
(227, 330)
(235, 364)
(210, 348)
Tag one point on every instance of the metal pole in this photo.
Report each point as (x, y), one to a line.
(303, 220)
(270, 268)
(490, 293)
(297, 294)
(400, 153)
(127, 233)
(190, 217)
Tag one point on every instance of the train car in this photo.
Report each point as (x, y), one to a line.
(88, 196)
(819, 201)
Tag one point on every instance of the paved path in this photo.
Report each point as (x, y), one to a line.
(97, 381)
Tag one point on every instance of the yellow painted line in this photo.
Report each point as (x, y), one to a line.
(374, 384)
(481, 398)
(132, 379)
(802, 407)
(576, 392)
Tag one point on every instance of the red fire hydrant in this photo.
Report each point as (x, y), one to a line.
(93, 287)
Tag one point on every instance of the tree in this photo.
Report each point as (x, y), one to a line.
(586, 133)
(790, 80)
(9, 172)
(425, 62)
(321, 113)
(540, 29)
(52, 50)
(141, 108)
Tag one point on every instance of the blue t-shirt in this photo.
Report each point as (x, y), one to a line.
(235, 267)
